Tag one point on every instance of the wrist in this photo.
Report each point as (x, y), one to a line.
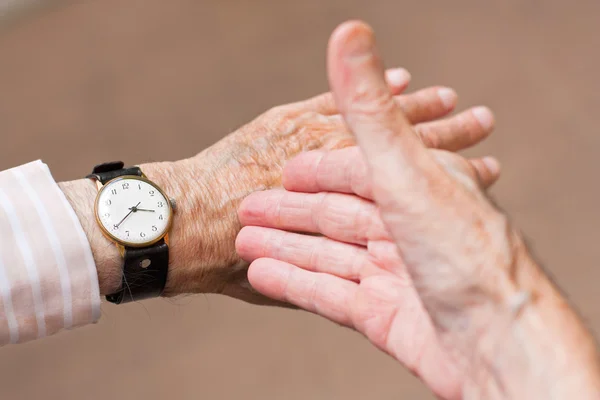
(535, 345)
(197, 234)
(185, 236)
(202, 239)
(208, 189)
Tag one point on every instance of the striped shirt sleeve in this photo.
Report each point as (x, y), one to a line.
(48, 279)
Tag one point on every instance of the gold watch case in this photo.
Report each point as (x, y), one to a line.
(121, 244)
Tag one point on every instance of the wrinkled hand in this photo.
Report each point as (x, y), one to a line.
(252, 158)
(433, 207)
(429, 270)
(352, 274)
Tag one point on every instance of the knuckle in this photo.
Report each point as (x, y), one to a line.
(372, 102)
(278, 116)
(277, 111)
(430, 139)
(365, 223)
(359, 176)
(475, 170)
(320, 209)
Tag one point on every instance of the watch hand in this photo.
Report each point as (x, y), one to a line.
(128, 214)
(143, 209)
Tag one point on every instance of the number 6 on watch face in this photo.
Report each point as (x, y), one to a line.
(133, 211)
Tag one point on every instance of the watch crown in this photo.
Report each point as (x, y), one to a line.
(173, 203)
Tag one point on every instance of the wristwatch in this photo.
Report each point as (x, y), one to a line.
(135, 214)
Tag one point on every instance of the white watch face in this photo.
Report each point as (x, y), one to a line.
(133, 211)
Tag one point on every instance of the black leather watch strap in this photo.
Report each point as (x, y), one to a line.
(145, 269)
(144, 273)
(111, 170)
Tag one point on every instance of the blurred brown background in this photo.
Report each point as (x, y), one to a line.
(88, 81)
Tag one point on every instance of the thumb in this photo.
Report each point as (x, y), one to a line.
(356, 75)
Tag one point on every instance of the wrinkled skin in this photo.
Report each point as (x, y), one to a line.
(210, 186)
(411, 253)
(352, 274)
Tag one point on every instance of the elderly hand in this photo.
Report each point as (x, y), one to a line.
(351, 273)
(429, 270)
(212, 184)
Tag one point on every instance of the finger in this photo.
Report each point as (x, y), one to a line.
(427, 104)
(314, 253)
(394, 151)
(342, 302)
(341, 217)
(397, 80)
(458, 132)
(455, 133)
(487, 170)
(345, 171)
(323, 294)
(342, 171)
(475, 173)
(423, 105)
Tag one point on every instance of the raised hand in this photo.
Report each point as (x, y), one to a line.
(465, 306)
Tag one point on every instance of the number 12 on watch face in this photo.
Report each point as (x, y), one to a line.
(133, 211)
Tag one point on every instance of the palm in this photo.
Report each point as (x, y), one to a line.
(381, 299)
(363, 287)
(388, 311)
(350, 272)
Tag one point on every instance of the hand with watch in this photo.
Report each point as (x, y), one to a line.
(165, 253)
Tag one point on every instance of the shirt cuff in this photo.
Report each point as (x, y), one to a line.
(48, 279)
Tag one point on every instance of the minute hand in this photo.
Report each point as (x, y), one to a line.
(143, 209)
(128, 214)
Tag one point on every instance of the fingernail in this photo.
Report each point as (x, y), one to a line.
(397, 76)
(448, 97)
(484, 116)
(492, 165)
